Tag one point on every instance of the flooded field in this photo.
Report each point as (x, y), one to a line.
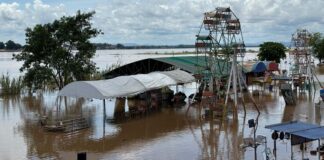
(173, 132)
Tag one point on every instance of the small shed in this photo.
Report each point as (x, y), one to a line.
(254, 69)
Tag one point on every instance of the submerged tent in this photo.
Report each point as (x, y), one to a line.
(125, 85)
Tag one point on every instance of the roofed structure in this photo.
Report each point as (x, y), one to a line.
(124, 86)
(191, 64)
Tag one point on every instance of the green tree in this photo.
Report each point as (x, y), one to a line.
(120, 46)
(2, 45)
(10, 45)
(272, 51)
(59, 52)
(317, 44)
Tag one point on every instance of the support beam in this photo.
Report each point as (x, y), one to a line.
(318, 150)
(228, 86)
(291, 150)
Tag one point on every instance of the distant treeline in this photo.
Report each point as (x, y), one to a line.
(121, 46)
(10, 45)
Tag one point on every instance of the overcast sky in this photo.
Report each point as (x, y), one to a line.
(165, 21)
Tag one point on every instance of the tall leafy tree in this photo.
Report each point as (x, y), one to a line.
(272, 51)
(2, 45)
(59, 52)
(317, 44)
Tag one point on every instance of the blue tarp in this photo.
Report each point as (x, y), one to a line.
(255, 67)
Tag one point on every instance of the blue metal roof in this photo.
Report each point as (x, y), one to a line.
(313, 133)
(291, 126)
(297, 128)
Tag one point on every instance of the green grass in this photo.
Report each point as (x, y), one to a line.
(11, 86)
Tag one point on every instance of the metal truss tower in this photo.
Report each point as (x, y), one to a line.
(300, 51)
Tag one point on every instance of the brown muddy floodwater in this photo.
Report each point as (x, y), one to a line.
(170, 133)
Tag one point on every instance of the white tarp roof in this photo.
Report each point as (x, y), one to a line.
(179, 76)
(125, 85)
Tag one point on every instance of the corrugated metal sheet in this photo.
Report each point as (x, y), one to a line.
(301, 129)
(313, 133)
(291, 126)
(198, 64)
(191, 64)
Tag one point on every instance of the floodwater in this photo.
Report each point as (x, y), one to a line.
(173, 132)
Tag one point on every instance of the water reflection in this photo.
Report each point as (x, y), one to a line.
(217, 138)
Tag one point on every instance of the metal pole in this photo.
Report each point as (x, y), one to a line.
(241, 91)
(234, 81)
(318, 150)
(302, 150)
(228, 86)
(291, 150)
(275, 148)
(255, 146)
(266, 147)
(104, 109)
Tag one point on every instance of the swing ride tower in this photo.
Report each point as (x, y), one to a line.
(220, 40)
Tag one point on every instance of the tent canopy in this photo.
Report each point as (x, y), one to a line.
(125, 85)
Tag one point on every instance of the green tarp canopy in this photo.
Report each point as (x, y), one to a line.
(191, 64)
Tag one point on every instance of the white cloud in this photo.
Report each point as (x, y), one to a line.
(168, 21)
(15, 18)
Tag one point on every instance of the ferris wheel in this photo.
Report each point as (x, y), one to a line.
(220, 41)
(219, 32)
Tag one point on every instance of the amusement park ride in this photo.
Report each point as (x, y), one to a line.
(303, 68)
(220, 40)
